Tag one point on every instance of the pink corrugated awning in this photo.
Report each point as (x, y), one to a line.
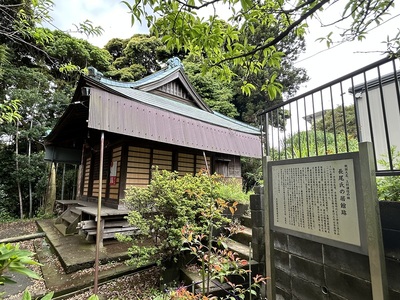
(113, 113)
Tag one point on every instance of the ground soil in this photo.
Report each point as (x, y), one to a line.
(140, 285)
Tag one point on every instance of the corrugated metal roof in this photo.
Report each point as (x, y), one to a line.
(173, 71)
(145, 80)
(159, 119)
(184, 109)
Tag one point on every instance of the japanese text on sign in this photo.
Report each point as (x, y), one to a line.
(317, 198)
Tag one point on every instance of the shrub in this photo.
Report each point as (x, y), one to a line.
(310, 143)
(168, 204)
(231, 190)
(389, 186)
(184, 214)
(13, 259)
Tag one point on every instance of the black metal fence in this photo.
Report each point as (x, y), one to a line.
(361, 106)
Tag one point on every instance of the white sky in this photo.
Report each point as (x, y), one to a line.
(322, 64)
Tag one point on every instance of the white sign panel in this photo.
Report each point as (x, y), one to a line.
(317, 198)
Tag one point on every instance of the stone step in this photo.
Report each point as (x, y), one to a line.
(244, 236)
(193, 278)
(242, 250)
(246, 221)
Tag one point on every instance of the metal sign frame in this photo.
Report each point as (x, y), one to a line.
(354, 158)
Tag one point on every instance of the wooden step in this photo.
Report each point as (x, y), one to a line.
(75, 211)
(90, 224)
(109, 233)
(113, 230)
(61, 228)
(69, 218)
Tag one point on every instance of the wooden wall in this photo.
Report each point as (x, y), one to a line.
(228, 166)
(138, 168)
(142, 160)
(135, 165)
(86, 177)
(162, 159)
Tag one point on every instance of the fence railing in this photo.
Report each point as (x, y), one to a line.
(361, 106)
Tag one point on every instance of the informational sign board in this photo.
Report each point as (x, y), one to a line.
(318, 199)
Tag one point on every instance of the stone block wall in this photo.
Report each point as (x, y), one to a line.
(308, 270)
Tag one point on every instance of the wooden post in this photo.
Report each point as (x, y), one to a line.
(100, 224)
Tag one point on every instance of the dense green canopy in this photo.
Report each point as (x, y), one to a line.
(224, 41)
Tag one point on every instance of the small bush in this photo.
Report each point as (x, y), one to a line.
(168, 204)
(14, 259)
(5, 216)
(231, 190)
(389, 186)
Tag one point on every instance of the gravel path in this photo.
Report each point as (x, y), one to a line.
(135, 286)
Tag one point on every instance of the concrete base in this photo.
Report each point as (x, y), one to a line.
(76, 253)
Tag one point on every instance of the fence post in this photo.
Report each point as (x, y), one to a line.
(376, 254)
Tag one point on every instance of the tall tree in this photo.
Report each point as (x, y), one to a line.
(135, 57)
(287, 74)
(334, 121)
(217, 43)
(217, 94)
(67, 51)
(39, 107)
(33, 92)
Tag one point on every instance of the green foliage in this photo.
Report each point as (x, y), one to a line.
(364, 15)
(216, 260)
(13, 259)
(340, 118)
(266, 82)
(9, 111)
(310, 143)
(73, 54)
(389, 186)
(135, 57)
(217, 94)
(251, 172)
(5, 216)
(24, 21)
(161, 210)
(182, 213)
(40, 105)
(231, 190)
(223, 45)
(27, 296)
(89, 29)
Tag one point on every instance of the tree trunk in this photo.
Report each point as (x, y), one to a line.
(21, 208)
(30, 179)
(51, 191)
